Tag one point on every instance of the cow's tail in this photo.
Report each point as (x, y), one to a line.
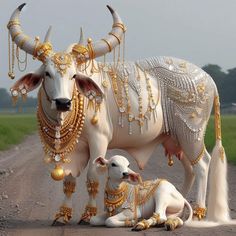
(218, 210)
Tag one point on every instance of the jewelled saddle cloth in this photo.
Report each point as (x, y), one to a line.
(187, 94)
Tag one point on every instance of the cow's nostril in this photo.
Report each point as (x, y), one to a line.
(63, 104)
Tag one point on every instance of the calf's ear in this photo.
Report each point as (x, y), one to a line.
(135, 177)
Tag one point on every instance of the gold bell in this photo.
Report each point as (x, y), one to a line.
(58, 173)
(170, 161)
(94, 120)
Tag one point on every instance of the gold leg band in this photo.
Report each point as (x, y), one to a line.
(142, 225)
(92, 188)
(89, 212)
(155, 218)
(69, 188)
(200, 156)
(199, 212)
(65, 212)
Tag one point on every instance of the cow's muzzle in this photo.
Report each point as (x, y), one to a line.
(63, 104)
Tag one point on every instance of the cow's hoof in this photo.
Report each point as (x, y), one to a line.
(83, 222)
(58, 223)
(63, 217)
(89, 212)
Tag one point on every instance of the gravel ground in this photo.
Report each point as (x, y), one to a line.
(29, 197)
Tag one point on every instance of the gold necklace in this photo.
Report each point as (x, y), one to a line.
(60, 141)
(119, 85)
(115, 198)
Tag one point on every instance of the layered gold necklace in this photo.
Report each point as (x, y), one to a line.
(113, 199)
(60, 140)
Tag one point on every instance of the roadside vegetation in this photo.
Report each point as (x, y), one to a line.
(13, 128)
(228, 136)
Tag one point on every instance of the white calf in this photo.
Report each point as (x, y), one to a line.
(158, 200)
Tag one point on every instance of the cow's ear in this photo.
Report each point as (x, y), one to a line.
(28, 82)
(87, 86)
(101, 165)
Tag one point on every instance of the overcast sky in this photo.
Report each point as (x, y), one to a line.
(201, 31)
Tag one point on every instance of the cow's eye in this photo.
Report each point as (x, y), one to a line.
(73, 77)
(47, 74)
(113, 165)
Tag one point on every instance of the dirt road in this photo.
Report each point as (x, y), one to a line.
(29, 197)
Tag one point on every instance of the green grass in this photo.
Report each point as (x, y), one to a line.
(13, 128)
(228, 136)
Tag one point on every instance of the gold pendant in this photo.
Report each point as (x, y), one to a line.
(94, 120)
(58, 173)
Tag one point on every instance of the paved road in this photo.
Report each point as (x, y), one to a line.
(29, 198)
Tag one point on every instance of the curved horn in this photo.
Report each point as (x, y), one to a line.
(22, 41)
(106, 44)
(47, 36)
(81, 40)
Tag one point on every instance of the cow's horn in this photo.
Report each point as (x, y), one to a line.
(47, 36)
(106, 44)
(81, 39)
(23, 41)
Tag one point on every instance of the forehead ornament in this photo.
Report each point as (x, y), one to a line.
(62, 62)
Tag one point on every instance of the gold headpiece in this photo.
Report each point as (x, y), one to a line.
(62, 61)
(42, 51)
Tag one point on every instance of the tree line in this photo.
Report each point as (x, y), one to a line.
(225, 81)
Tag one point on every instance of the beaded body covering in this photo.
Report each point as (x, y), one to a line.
(140, 194)
(187, 94)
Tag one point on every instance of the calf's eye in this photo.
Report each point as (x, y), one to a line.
(113, 165)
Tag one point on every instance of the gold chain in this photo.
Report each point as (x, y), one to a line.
(118, 197)
(119, 85)
(57, 148)
(11, 57)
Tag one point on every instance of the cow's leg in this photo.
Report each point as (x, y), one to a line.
(189, 176)
(65, 211)
(97, 147)
(201, 172)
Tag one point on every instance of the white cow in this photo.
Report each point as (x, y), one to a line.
(158, 201)
(131, 106)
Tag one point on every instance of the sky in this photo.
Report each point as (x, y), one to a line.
(200, 31)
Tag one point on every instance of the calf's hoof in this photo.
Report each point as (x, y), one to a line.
(172, 224)
(142, 225)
